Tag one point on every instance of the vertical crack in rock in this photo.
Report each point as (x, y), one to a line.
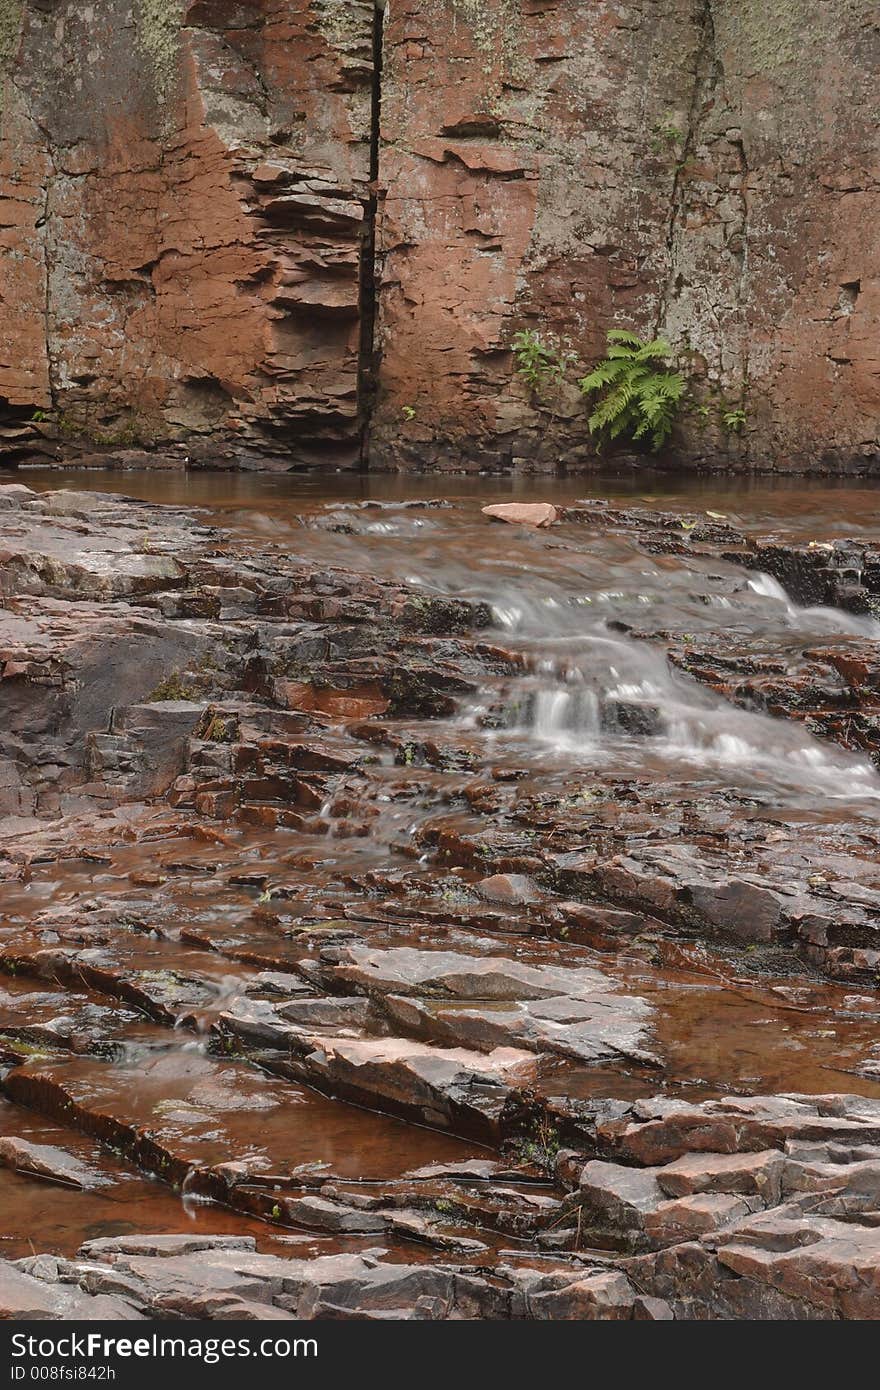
(44, 226)
(743, 252)
(703, 304)
(43, 222)
(199, 182)
(368, 268)
(43, 245)
(705, 73)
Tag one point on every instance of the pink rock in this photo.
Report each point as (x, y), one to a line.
(508, 888)
(523, 513)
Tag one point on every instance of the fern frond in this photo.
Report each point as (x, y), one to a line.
(638, 392)
(604, 375)
(669, 385)
(623, 335)
(615, 405)
(658, 348)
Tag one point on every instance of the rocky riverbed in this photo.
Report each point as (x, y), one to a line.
(407, 914)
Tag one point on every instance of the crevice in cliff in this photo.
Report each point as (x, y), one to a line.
(742, 282)
(46, 240)
(702, 306)
(368, 277)
(705, 63)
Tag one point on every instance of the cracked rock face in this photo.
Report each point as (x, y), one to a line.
(290, 226)
(185, 187)
(702, 169)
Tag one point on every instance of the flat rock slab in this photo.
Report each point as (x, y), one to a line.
(184, 1114)
(754, 1173)
(583, 1030)
(106, 1247)
(494, 1001)
(538, 514)
(406, 970)
(46, 1161)
(657, 1131)
(445, 1086)
(196, 1285)
(24, 1298)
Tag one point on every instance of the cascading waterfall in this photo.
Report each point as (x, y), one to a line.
(559, 715)
(592, 693)
(589, 691)
(834, 619)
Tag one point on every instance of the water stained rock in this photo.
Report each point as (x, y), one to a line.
(435, 912)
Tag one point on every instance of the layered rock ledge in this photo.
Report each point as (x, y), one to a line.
(415, 1022)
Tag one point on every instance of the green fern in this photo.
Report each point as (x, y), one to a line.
(733, 418)
(638, 393)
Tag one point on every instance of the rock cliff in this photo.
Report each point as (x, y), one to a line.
(309, 229)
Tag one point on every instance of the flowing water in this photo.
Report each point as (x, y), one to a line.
(592, 701)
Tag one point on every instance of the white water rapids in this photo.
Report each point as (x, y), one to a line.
(590, 693)
(594, 695)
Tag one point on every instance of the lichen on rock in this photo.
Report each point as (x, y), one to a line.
(158, 28)
(10, 27)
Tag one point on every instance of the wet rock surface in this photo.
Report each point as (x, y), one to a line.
(388, 887)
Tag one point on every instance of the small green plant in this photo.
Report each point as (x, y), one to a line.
(173, 687)
(39, 416)
(213, 728)
(733, 418)
(408, 412)
(541, 364)
(638, 392)
(68, 428)
(125, 437)
(665, 135)
(542, 1148)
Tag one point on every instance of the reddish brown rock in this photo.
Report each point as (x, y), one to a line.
(536, 514)
(831, 1265)
(190, 215)
(508, 888)
(182, 218)
(617, 1199)
(759, 1173)
(605, 1297)
(688, 1218)
(45, 1161)
(339, 704)
(515, 201)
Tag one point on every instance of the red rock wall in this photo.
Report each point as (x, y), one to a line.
(187, 184)
(702, 168)
(185, 200)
